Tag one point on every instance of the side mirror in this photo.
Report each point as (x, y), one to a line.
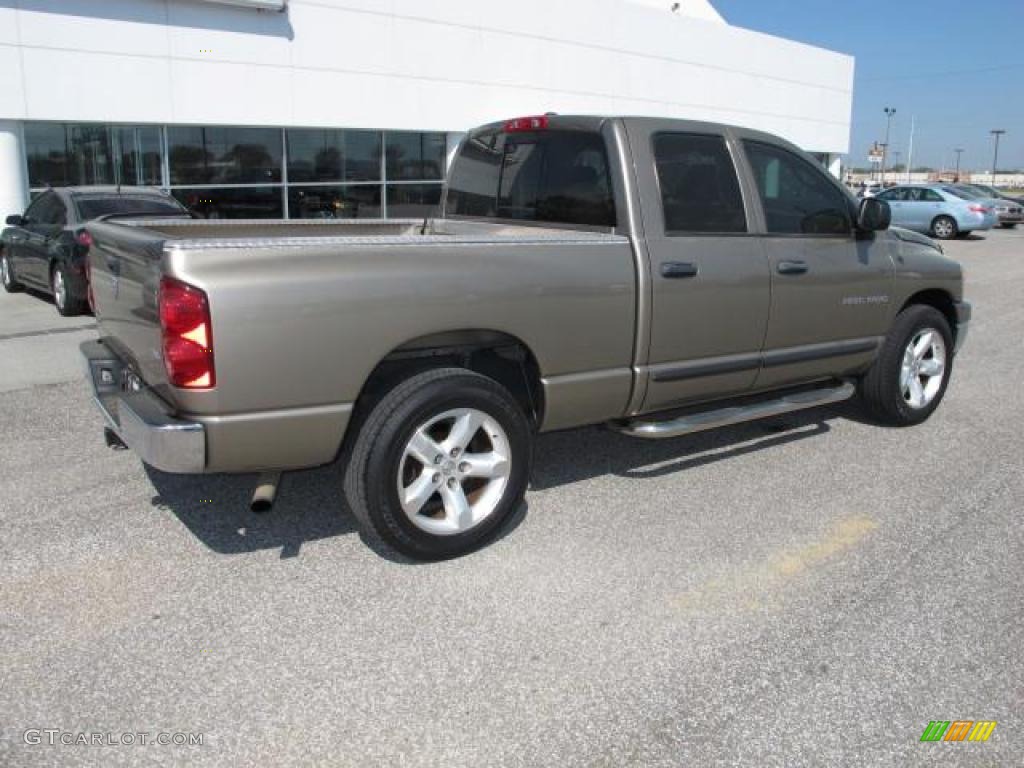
(873, 215)
(15, 220)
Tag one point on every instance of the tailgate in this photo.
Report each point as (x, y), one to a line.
(125, 275)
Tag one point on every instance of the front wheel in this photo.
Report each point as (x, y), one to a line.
(439, 464)
(944, 228)
(907, 381)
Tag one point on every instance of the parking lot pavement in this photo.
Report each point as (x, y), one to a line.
(27, 361)
(811, 590)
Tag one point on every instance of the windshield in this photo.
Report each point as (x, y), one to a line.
(144, 205)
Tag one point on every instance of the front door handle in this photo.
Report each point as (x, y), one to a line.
(677, 269)
(792, 267)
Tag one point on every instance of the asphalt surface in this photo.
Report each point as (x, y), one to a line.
(811, 590)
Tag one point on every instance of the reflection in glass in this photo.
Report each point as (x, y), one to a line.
(349, 202)
(326, 155)
(47, 154)
(236, 203)
(138, 152)
(415, 156)
(71, 154)
(224, 155)
(413, 201)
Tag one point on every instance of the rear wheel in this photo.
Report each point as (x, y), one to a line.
(67, 302)
(11, 284)
(908, 380)
(944, 228)
(441, 462)
(1009, 225)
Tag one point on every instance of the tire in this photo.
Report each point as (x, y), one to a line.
(383, 458)
(887, 390)
(1009, 225)
(64, 298)
(944, 228)
(10, 281)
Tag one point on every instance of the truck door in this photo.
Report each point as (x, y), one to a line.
(830, 289)
(709, 277)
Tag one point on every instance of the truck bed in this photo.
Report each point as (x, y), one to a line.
(302, 312)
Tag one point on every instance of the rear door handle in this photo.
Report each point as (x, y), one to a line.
(677, 269)
(792, 267)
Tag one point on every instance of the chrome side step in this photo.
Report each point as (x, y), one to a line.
(737, 414)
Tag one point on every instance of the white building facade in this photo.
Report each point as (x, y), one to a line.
(352, 107)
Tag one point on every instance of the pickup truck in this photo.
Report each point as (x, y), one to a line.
(657, 276)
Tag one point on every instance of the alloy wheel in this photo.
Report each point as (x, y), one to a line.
(453, 472)
(60, 292)
(923, 368)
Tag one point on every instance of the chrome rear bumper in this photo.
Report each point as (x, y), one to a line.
(140, 419)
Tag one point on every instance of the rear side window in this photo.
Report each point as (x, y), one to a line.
(700, 192)
(93, 207)
(544, 176)
(797, 197)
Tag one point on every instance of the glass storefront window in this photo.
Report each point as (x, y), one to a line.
(47, 153)
(342, 202)
(139, 155)
(413, 156)
(70, 154)
(413, 201)
(233, 202)
(224, 155)
(327, 155)
(238, 172)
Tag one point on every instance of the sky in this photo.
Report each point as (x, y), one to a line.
(956, 66)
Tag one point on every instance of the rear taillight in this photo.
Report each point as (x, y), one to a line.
(84, 239)
(977, 208)
(187, 335)
(519, 124)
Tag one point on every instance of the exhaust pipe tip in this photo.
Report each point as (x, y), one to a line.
(266, 491)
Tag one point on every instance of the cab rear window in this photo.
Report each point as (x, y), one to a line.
(552, 176)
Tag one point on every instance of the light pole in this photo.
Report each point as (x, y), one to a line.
(956, 174)
(889, 112)
(997, 132)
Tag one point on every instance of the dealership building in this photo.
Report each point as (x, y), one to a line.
(323, 108)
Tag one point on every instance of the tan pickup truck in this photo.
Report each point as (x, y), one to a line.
(658, 276)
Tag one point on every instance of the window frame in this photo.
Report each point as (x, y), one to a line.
(850, 205)
(749, 224)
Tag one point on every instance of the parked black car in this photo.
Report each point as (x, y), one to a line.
(46, 247)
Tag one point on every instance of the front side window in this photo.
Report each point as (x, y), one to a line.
(47, 210)
(797, 197)
(556, 176)
(700, 192)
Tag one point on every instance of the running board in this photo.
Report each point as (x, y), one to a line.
(737, 414)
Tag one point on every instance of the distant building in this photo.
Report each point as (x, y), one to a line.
(352, 107)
